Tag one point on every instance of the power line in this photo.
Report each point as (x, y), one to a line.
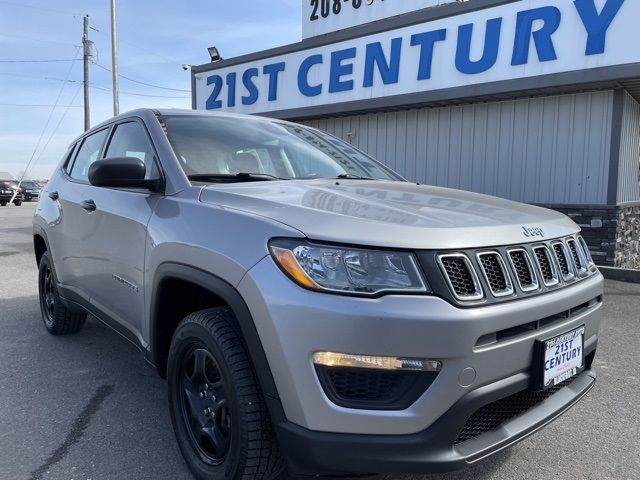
(97, 87)
(40, 61)
(45, 9)
(49, 117)
(137, 94)
(33, 39)
(143, 83)
(55, 130)
(38, 105)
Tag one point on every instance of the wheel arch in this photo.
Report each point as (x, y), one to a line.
(40, 243)
(222, 293)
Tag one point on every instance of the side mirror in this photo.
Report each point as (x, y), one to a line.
(119, 172)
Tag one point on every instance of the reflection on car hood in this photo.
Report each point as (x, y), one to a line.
(392, 214)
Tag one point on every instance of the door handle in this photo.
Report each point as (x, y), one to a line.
(88, 205)
(54, 196)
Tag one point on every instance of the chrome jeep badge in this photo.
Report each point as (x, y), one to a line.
(533, 232)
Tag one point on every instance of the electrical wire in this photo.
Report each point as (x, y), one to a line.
(38, 105)
(55, 105)
(137, 94)
(39, 61)
(35, 7)
(142, 83)
(55, 130)
(33, 39)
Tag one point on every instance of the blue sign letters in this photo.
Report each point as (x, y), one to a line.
(386, 64)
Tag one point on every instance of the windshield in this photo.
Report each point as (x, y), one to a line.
(211, 148)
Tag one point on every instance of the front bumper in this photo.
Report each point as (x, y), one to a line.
(6, 197)
(293, 323)
(432, 450)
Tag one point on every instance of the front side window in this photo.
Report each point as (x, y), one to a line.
(130, 140)
(88, 153)
(209, 147)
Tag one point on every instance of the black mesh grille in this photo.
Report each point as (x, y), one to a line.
(573, 248)
(364, 385)
(459, 276)
(522, 269)
(542, 255)
(562, 259)
(495, 274)
(491, 416)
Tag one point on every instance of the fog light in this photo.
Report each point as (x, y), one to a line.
(330, 359)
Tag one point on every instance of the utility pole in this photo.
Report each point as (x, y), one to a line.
(114, 60)
(87, 46)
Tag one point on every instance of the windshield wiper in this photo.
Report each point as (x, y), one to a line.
(349, 176)
(232, 177)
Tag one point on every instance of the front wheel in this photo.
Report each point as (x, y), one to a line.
(57, 318)
(217, 410)
(3, 203)
(17, 203)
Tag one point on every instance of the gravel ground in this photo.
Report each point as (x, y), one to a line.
(88, 407)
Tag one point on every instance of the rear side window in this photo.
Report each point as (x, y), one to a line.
(88, 153)
(130, 140)
(68, 162)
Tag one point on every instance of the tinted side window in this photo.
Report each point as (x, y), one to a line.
(130, 140)
(68, 163)
(88, 154)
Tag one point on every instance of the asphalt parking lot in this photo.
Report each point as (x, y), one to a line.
(88, 407)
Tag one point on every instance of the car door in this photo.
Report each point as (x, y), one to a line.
(70, 232)
(113, 233)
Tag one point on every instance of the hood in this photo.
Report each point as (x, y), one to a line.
(392, 214)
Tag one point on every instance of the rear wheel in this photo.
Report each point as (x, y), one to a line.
(17, 203)
(57, 318)
(3, 203)
(218, 413)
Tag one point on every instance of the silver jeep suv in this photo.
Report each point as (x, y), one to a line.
(310, 309)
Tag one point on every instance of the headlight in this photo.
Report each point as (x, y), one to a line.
(352, 271)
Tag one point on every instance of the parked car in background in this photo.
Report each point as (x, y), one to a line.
(30, 190)
(7, 190)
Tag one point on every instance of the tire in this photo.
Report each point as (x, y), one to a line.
(17, 203)
(3, 204)
(58, 319)
(209, 368)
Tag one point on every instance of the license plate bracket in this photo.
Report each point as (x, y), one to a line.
(558, 358)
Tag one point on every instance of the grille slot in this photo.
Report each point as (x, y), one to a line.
(563, 260)
(495, 273)
(585, 249)
(547, 267)
(577, 256)
(461, 277)
(491, 416)
(523, 268)
(491, 339)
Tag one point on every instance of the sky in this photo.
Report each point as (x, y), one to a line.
(154, 39)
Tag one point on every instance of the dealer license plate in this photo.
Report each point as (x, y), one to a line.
(563, 357)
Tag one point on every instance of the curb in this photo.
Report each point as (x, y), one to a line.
(620, 274)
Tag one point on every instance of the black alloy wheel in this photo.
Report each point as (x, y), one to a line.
(56, 316)
(218, 412)
(204, 405)
(47, 296)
